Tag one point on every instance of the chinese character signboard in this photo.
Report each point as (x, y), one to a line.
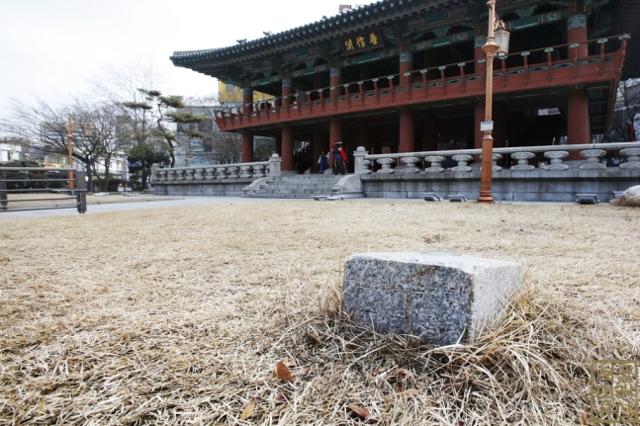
(366, 40)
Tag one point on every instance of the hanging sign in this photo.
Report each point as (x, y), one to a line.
(361, 42)
(486, 126)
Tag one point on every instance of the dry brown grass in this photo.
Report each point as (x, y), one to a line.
(179, 316)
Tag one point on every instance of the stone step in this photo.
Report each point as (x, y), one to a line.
(295, 186)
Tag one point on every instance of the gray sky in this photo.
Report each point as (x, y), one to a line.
(51, 49)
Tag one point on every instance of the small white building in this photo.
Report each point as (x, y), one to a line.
(10, 151)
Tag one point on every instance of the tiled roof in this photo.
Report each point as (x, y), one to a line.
(324, 28)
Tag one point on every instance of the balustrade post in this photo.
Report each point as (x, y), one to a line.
(232, 172)
(258, 171)
(209, 173)
(347, 94)
(463, 83)
(361, 92)
(275, 165)
(525, 56)
(321, 97)
(197, 173)
(245, 171)
(409, 164)
(575, 47)
(436, 164)
(632, 161)
(376, 89)
(425, 82)
(593, 157)
(601, 43)
(549, 51)
(221, 173)
(385, 164)
(358, 160)
(523, 158)
(443, 80)
(463, 160)
(556, 160)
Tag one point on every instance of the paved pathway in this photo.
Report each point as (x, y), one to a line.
(119, 207)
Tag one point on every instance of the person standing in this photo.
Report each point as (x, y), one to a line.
(323, 163)
(339, 156)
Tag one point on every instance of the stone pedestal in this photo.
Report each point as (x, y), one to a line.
(440, 297)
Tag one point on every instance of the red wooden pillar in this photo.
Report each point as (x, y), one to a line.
(335, 131)
(578, 122)
(430, 133)
(407, 138)
(406, 63)
(287, 147)
(247, 99)
(247, 146)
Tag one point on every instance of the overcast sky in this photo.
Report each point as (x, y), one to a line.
(52, 49)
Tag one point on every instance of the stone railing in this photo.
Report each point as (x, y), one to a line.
(219, 172)
(624, 155)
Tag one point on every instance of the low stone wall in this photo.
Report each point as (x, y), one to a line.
(535, 173)
(213, 180)
(216, 187)
(508, 185)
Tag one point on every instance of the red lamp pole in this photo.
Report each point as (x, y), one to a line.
(490, 48)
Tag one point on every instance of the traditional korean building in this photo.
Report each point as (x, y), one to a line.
(409, 75)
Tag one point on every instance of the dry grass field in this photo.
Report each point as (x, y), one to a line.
(229, 314)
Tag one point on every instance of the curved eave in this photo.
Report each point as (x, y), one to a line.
(374, 14)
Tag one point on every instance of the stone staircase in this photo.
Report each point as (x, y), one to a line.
(292, 186)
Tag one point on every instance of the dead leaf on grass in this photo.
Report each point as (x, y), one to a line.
(283, 372)
(358, 410)
(249, 409)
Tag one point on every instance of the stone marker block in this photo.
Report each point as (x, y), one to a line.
(440, 297)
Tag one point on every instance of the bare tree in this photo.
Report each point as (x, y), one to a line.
(44, 127)
(627, 104)
(227, 147)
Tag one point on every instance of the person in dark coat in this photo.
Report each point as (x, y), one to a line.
(339, 159)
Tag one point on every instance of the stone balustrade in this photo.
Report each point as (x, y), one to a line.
(552, 158)
(219, 172)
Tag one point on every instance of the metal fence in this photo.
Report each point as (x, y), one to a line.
(63, 185)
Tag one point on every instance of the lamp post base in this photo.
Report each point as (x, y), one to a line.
(486, 172)
(485, 198)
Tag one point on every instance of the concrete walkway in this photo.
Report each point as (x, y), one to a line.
(120, 207)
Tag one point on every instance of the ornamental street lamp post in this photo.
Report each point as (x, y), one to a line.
(497, 43)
